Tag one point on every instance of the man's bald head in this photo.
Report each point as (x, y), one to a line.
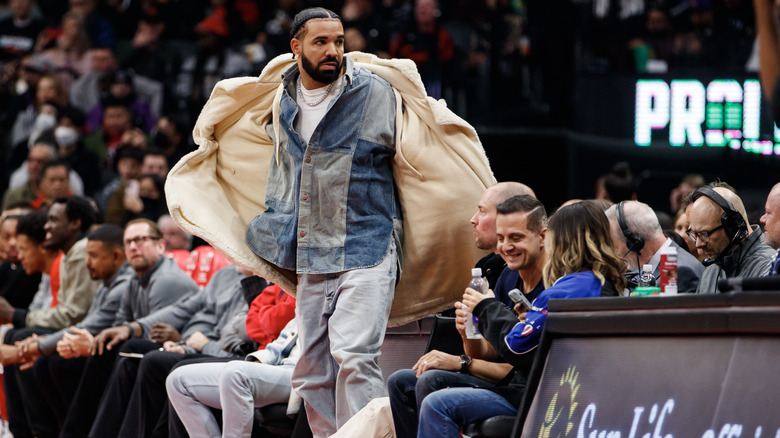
(484, 220)
(771, 217)
(704, 216)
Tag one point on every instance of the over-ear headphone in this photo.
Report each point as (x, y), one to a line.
(733, 222)
(634, 242)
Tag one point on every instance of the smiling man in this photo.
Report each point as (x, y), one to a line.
(66, 221)
(519, 225)
(333, 217)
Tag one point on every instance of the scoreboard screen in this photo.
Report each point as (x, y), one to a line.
(722, 113)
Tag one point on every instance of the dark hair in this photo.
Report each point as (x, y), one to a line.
(131, 152)
(31, 225)
(619, 183)
(298, 28)
(155, 152)
(111, 235)
(55, 163)
(537, 215)
(158, 182)
(79, 208)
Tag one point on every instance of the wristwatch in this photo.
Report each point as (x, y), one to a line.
(465, 363)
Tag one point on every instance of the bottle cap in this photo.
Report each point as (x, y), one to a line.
(669, 250)
(647, 268)
(476, 272)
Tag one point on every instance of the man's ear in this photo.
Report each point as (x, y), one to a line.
(542, 234)
(295, 46)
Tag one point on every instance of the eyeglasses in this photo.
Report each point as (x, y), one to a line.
(704, 236)
(139, 240)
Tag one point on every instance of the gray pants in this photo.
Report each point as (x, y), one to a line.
(236, 387)
(341, 325)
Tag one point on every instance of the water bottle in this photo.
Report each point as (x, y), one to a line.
(480, 285)
(646, 279)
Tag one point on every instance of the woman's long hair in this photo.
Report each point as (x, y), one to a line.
(579, 239)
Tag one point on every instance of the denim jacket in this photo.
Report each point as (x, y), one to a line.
(331, 203)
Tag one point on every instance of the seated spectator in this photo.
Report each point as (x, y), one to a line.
(19, 31)
(192, 328)
(16, 285)
(121, 89)
(618, 185)
(35, 258)
(55, 183)
(127, 203)
(88, 90)
(581, 261)
(175, 238)
(128, 166)
(428, 44)
(157, 283)
(149, 202)
(68, 52)
(38, 116)
(212, 62)
(771, 222)
(155, 163)
(170, 140)
(687, 185)
(25, 192)
(637, 235)
(67, 220)
(101, 32)
(719, 226)
(520, 227)
(85, 166)
(235, 387)
(117, 119)
(42, 383)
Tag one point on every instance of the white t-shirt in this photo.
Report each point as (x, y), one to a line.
(310, 116)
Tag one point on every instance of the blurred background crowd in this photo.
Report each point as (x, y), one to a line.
(105, 86)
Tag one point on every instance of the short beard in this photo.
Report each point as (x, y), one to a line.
(323, 77)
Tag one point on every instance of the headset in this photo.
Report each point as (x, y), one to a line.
(733, 222)
(634, 242)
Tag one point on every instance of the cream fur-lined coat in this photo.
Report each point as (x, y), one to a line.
(440, 170)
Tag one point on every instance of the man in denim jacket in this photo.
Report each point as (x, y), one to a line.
(332, 217)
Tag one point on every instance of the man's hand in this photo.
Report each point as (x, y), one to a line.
(28, 348)
(197, 341)
(9, 355)
(164, 332)
(6, 311)
(471, 298)
(461, 315)
(109, 338)
(76, 342)
(437, 360)
(173, 347)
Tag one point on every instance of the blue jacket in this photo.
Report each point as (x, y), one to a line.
(512, 338)
(331, 203)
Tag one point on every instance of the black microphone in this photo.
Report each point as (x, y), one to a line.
(739, 284)
(719, 256)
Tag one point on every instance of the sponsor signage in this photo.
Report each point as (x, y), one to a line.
(658, 387)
